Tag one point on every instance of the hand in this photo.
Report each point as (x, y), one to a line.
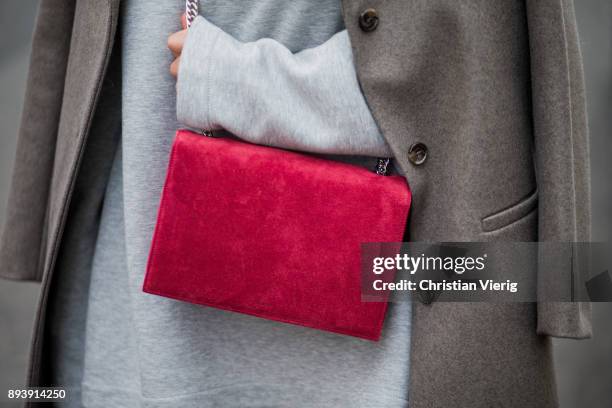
(175, 44)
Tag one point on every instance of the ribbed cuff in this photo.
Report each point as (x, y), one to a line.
(194, 85)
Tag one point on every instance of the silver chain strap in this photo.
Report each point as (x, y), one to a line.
(191, 12)
(381, 166)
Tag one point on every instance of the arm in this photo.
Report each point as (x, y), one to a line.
(561, 148)
(264, 94)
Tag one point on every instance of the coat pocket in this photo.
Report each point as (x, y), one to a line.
(512, 214)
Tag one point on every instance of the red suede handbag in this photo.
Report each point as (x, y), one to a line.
(272, 233)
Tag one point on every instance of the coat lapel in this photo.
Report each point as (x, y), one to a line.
(93, 35)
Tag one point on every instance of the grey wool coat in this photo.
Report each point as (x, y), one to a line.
(492, 89)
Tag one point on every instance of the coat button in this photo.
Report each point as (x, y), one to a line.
(368, 20)
(417, 153)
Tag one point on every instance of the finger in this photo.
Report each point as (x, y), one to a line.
(184, 21)
(175, 53)
(174, 67)
(176, 41)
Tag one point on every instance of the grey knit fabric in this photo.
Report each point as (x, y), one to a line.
(130, 349)
(310, 100)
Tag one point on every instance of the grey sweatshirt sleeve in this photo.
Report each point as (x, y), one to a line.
(262, 93)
